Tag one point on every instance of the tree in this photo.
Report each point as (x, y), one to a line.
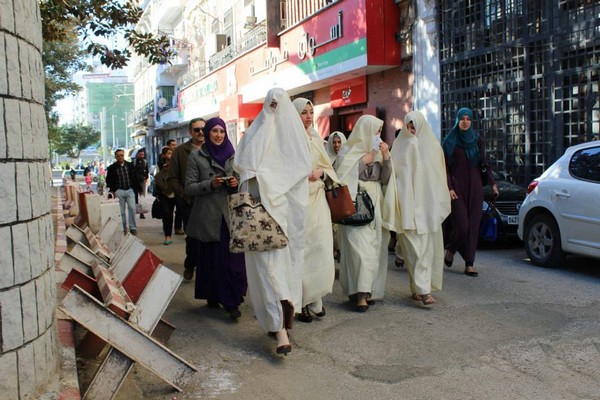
(73, 138)
(95, 19)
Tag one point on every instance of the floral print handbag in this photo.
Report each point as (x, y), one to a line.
(251, 227)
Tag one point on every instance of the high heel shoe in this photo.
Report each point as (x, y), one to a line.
(288, 314)
(448, 259)
(284, 349)
(304, 315)
(361, 307)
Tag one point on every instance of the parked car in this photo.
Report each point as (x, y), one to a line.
(561, 213)
(507, 205)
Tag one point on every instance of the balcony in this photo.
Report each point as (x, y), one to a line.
(140, 115)
(254, 37)
(168, 116)
(193, 75)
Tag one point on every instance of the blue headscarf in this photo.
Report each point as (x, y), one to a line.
(220, 153)
(465, 139)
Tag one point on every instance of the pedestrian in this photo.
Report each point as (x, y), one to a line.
(465, 155)
(176, 177)
(220, 274)
(142, 173)
(88, 181)
(121, 180)
(165, 195)
(423, 204)
(273, 160)
(364, 164)
(334, 144)
(101, 179)
(318, 273)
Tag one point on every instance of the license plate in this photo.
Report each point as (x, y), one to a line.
(513, 220)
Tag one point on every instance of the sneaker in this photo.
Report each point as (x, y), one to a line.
(142, 216)
(179, 232)
(133, 232)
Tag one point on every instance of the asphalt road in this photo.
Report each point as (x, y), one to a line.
(515, 332)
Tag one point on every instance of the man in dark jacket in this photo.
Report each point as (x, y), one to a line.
(142, 173)
(122, 182)
(176, 178)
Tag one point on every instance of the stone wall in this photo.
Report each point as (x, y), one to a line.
(28, 349)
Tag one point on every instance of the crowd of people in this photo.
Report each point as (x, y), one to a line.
(422, 190)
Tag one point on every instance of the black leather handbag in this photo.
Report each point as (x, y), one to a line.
(365, 211)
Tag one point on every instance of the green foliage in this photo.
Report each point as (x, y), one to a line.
(72, 138)
(94, 19)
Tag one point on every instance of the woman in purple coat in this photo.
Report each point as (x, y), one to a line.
(465, 154)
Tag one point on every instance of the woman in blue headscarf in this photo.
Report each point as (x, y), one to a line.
(465, 155)
(221, 276)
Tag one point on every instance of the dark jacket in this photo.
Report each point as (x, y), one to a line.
(141, 172)
(178, 168)
(112, 177)
(209, 205)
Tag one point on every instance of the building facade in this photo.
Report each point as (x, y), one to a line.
(344, 55)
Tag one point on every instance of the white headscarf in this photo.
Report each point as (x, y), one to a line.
(316, 142)
(358, 144)
(423, 197)
(275, 151)
(330, 152)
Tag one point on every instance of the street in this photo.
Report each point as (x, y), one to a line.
(515, 332)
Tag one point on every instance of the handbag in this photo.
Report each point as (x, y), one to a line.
(488, 228)
(157, 209)
(251, 227)
(365, 211)
(484, 174)
(340, 203)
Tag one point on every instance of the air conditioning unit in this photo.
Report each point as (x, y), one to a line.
(221, 41)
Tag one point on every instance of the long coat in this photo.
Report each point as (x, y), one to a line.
(209, 205)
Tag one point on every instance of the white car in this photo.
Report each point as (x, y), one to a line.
(561, 213)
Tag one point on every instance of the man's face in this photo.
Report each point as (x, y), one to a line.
(172, 145)
(140, 155)
(120, 157)
(196, 132)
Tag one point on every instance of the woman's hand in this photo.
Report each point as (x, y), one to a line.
(233, 182)
(315, 175)
(216, 182)
(453, 195)
(385, 149)
(369, 157)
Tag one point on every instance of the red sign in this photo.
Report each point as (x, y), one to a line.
(347, 93)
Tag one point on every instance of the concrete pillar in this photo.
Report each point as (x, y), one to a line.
(28, 349)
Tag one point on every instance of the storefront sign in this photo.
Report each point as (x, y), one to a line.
(308, 44)
(349, 92)
(271, 62)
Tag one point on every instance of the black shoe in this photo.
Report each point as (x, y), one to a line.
(142, 216)
(471, 273)
(362, 307)
(234, 313)
(305, 316)
(188, 274)
(284, 349)
(448, 260)
(322, 313)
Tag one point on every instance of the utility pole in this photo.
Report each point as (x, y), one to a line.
(103, 133)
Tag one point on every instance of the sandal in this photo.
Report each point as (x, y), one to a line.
(427, 299)
(416, 297)
(470, 271)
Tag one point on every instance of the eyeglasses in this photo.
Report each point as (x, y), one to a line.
(197, 130)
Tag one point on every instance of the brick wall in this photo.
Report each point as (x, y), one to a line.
(28, 350)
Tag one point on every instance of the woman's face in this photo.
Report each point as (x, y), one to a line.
(411, 128)
(307, 115)
(465, 123)
(168, 154)
(217, 135)
(337, 144)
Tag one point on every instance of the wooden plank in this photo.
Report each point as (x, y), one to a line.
(75, 234)
(149, 309)
(125, 259)
(111, 234)
(126, 338)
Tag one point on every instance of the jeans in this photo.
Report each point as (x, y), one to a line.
(127, 197)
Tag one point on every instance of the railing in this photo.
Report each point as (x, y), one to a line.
(222, 57)
(143, 112)
(255, 37)
(191, 76)
(298, 10)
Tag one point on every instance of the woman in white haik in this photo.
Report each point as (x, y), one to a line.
(334, 143)
(318, 273)
(423, 204)
(364, 254)
(274, 162)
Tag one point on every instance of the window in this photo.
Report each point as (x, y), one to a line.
(585, 164)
